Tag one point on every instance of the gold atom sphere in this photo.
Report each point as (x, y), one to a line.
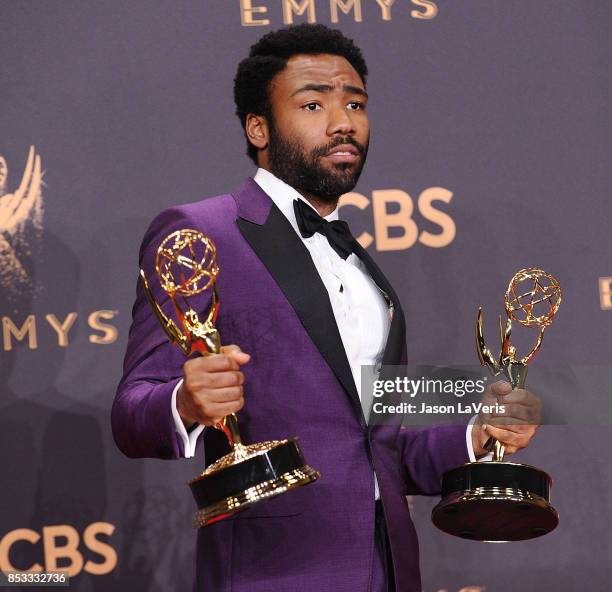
(186, 262)
(533, 297)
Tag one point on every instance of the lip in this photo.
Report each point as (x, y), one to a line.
(343, 153)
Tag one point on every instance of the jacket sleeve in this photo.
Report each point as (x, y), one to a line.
(427, 454)
(141, 417)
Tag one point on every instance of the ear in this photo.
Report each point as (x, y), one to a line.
(257, 132)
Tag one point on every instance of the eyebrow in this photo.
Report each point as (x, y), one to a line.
(324, 88)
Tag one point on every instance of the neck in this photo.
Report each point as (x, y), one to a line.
(324, 208)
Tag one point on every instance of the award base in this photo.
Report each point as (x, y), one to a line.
(495, 502)
(247, 475)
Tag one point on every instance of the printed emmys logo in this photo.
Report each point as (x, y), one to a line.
(60, 549)
(254, 13)
(21, 215)
(407, 232)
(106, 335)
(605, 293)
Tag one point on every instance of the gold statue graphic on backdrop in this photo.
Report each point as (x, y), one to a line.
(186, 265)
(502, 501)
(20, 213)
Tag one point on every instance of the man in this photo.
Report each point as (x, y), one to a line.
(305, 307)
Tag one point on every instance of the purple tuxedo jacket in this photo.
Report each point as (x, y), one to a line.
(298, 383)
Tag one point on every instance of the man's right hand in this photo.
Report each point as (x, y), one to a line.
(212, 387)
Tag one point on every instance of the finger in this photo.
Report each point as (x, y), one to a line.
(216, 380)
(231, 348)
(511, 449)
(212, 363)
(225, 409)
(499, 388)
(511, 411)
(521, 397)
(240, 357)
(507, 437)
(527, 407)
(236, 353)
(222, 395)
(509, 423)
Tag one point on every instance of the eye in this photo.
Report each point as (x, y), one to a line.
(356, 105)
(311, 106)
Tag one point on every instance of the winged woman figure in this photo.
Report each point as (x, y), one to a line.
(20, 213)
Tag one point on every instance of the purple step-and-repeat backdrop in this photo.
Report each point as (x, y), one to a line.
(491, 143)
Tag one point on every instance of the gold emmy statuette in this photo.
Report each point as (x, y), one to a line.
(186, 265)
(502, 501)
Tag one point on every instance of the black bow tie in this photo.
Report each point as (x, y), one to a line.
(337, 232)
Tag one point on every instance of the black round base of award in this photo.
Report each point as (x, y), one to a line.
(495, 502)
(247, 475)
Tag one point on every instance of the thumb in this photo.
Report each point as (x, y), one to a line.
(236, 353)
(241, 357)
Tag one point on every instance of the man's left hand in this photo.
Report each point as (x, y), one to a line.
(515, 426)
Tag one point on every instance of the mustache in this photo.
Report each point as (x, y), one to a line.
(323, 150)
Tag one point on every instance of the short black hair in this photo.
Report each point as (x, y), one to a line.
(269, 56)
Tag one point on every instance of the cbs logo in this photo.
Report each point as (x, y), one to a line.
(385, 201)
(60, 549)
(605, 293)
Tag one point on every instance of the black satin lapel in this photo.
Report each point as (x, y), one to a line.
(396, 339)
(288, 260)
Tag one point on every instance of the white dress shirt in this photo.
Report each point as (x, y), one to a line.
(360, 309)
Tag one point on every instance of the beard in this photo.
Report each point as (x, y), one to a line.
(306, 173)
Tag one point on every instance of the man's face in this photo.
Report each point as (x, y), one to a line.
(319, 133)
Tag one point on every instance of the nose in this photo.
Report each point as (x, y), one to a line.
(340, 122)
